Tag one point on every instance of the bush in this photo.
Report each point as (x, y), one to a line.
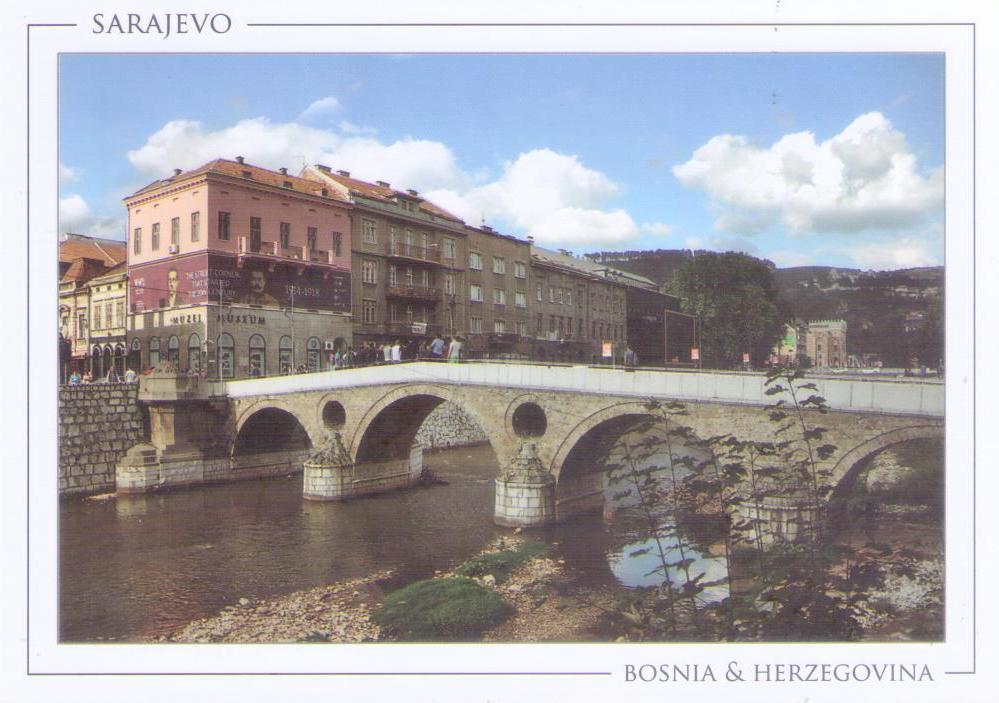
(441, 610)
(500, 564)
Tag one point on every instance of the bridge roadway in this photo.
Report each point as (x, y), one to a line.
(545, 423)
(906, 396)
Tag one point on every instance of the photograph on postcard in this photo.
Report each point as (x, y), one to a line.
(501, 348)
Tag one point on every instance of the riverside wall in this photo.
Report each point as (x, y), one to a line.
(97, 425)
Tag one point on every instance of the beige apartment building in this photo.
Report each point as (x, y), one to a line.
(408, 261)
(497, 297)
(577, 308)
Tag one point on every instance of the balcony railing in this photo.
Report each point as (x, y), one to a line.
(504, 338)
(415, 293)
(298, 253)
(411, 327)
(412, 251)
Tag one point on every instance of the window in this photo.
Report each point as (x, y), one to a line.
(313, 350)
(224, 230)
(559, 297)
(195, 227)
(194, 353)
(156, 237)
(119, 312)
(97, 318)
(154, 351)
(286, 361)
(108, 314)
(254, 234)
(520, 270)
(369, 271)
(393, 276)
(499, 296)
(551, 294)
(285, 229)
(499, 264)
(337, 244)
(173, 351)
(175, 231)
(521, 299)
(540, 292)
(475, 260)
(368, 311)
(311, 233)
(368, 229)
(137, 241)
(81, 325)
(522, 328)
(580, 327)
(227, 356)
(425, 279)
(409, 275)
(568, 296)
(258, 355)
(539, 324)
(449, 283)
(449, 249)
(499, 326)
(475, 325)
(475, 293)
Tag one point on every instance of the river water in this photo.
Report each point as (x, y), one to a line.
(135, 567)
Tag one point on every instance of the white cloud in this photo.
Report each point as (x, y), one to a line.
(67, 174)
(906, 252)
(76, 216)
(656, 229)
(721, 242)
(552, 196)
(320, 110)
(863, 178)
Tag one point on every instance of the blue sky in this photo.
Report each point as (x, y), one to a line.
(820, 158)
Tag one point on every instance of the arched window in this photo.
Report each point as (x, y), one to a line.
(96, 366)
(173, 351)
(258, 356)
(119, 360)
(194, 353)
(108, 361)
(154, 352)
(135, 355)
(313, 353)
(286, 357)
(227, 356)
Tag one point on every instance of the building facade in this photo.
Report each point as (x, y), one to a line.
(408, 262)
(236, 270)
(825, 343)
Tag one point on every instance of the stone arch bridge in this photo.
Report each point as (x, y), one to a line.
(545, 424)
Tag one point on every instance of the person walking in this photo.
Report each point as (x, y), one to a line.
(437, 347)
(454, 350)
(387, 353)
(630, 358)
(396, 352)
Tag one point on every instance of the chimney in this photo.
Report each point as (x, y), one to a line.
(530, 239)
(239, 159)
(324, 169)
(383, 184)
(177, 172)
(487, 228)
(345, 174)
(412, 192)
(283, 170)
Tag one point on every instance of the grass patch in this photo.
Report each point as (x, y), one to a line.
(502, 563)
(441, 610)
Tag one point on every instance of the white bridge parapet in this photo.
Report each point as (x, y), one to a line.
(861, 395)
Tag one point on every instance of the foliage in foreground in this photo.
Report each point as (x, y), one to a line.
(452, 609)
(502, 563)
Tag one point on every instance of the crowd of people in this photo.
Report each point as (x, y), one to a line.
(371, 353)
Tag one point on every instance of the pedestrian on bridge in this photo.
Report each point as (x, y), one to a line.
(454, 350)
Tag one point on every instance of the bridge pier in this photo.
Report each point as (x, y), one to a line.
(525, 491)
(330, 473)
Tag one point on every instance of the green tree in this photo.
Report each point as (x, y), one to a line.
(735, 296)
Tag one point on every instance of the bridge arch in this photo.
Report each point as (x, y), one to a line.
(389, 426)
(851, 464)
(312, 430)
(270, 430)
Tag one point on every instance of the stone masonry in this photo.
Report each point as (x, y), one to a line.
(449, 426)
(97, 425)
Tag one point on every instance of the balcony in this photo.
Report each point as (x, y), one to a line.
(413, 252)
(424, 293)
(412, 327)
(271, 251)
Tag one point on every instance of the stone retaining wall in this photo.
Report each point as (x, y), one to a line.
(449, 426)
(97, 425)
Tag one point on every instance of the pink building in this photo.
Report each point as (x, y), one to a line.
(238, 270)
